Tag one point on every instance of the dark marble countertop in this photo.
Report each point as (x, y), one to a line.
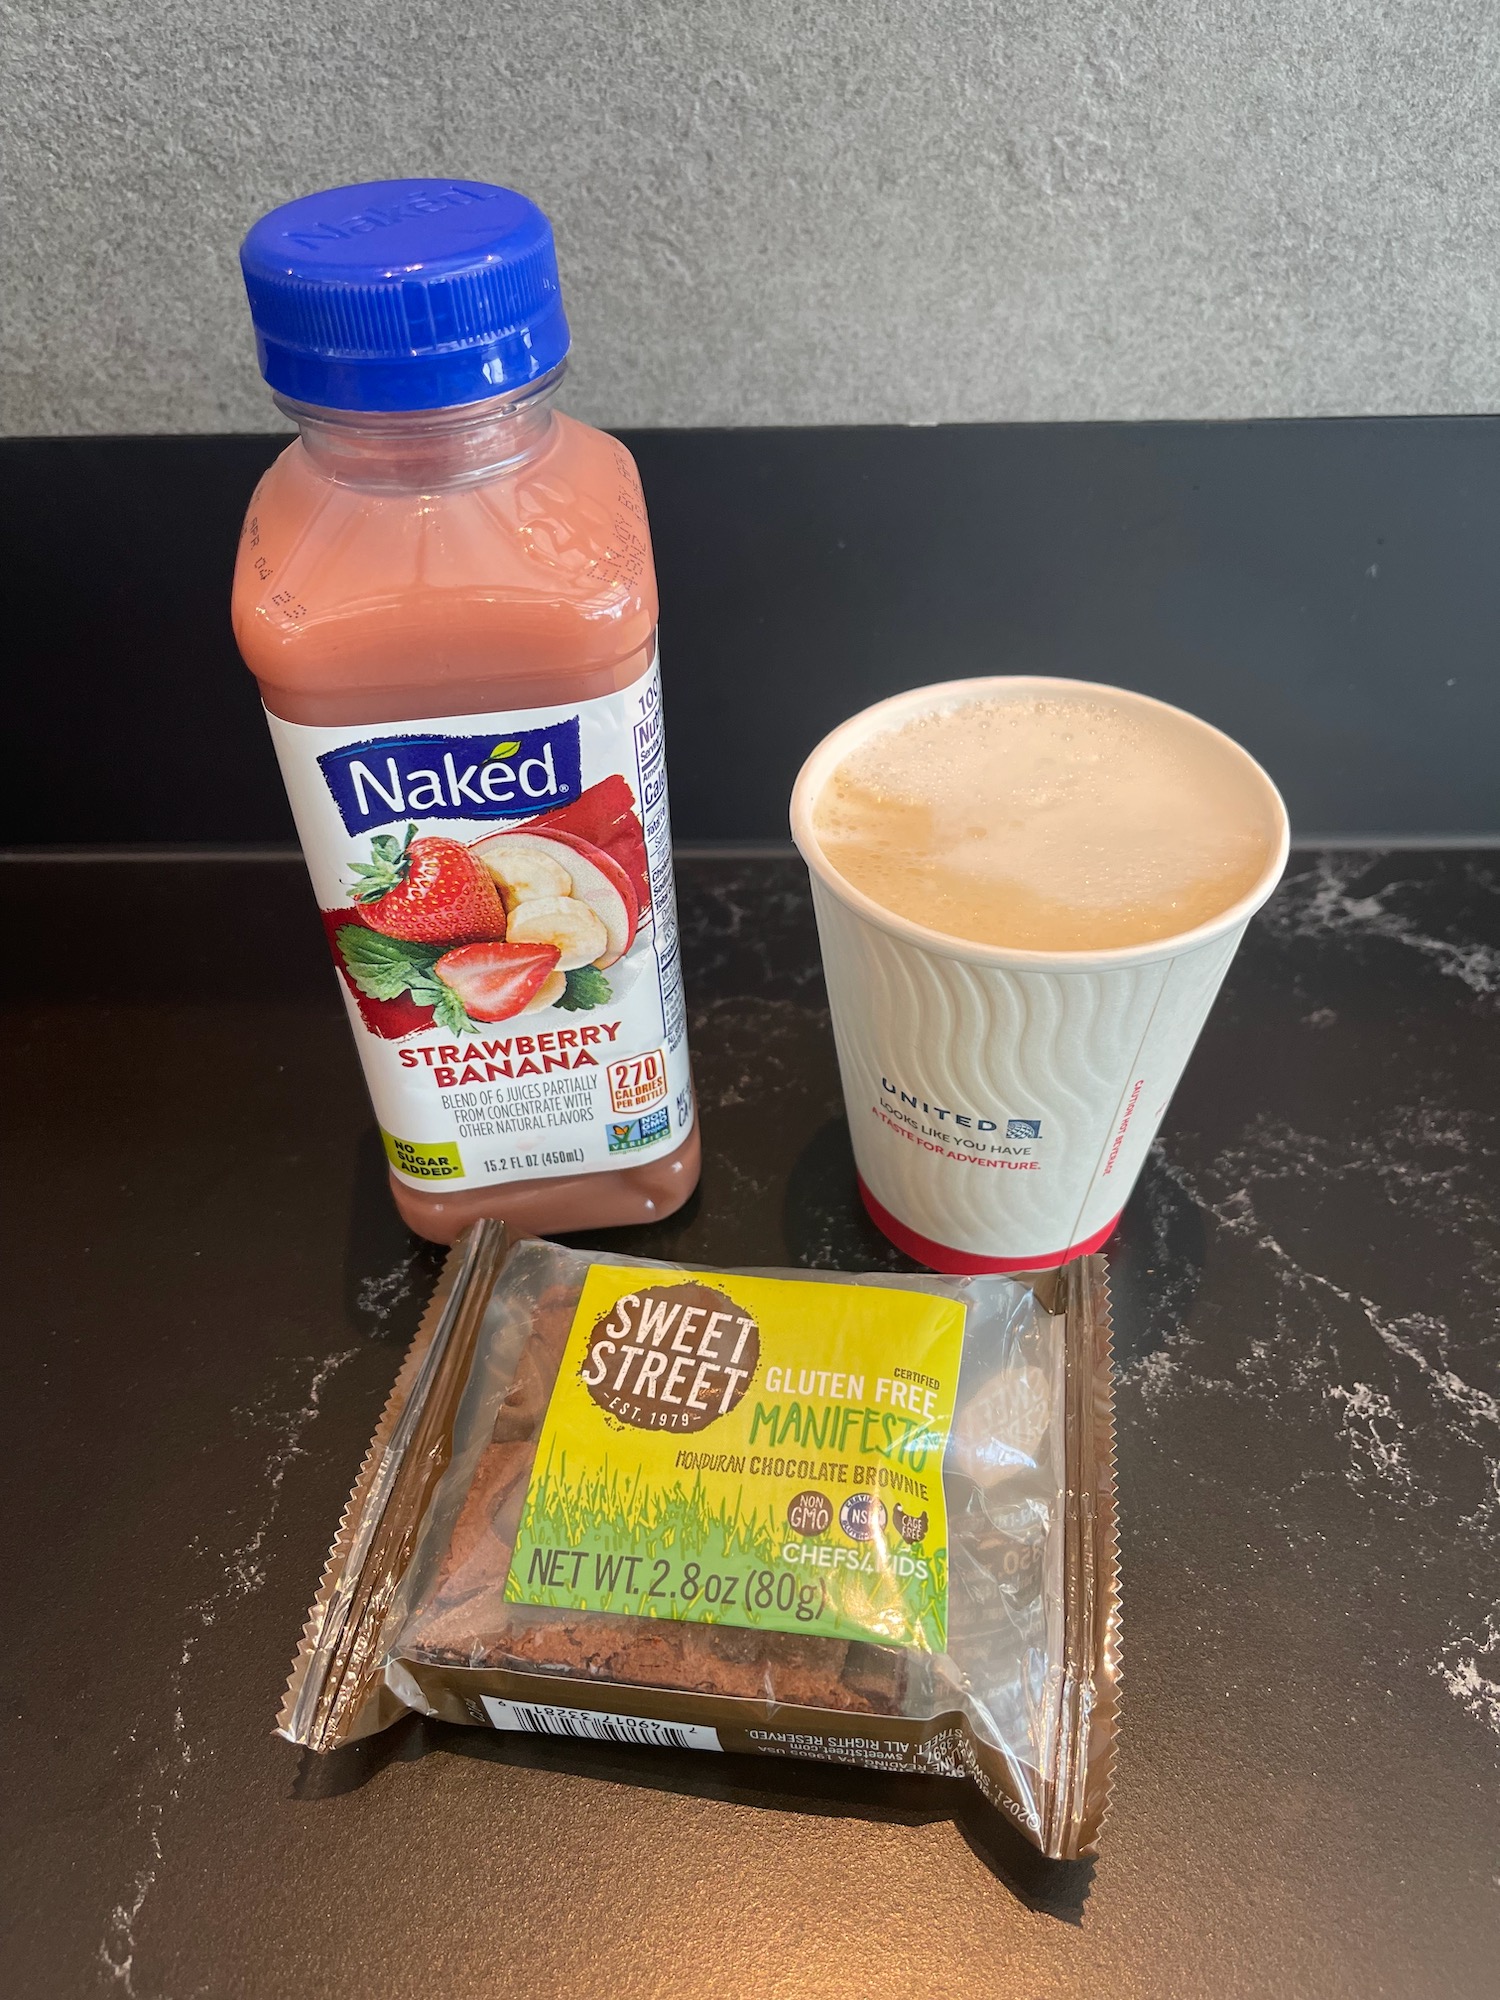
(210, 1292)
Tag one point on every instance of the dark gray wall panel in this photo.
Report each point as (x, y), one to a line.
(1326, 591)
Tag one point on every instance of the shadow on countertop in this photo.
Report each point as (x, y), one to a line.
(1057, 1889)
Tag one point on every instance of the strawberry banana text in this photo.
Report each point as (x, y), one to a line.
(453, 1064)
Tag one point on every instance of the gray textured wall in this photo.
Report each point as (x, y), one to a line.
(776, 211)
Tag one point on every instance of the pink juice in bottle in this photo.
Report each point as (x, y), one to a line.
(445, 590)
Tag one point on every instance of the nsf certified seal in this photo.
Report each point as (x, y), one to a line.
(861, 1517)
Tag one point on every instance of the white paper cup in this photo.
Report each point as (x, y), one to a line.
(1001, 1102)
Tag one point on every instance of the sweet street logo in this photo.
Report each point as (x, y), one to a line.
(671, 1358)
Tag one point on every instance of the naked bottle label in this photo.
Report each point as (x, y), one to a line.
(497, 892)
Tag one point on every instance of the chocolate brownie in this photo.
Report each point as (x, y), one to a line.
(466, 1622)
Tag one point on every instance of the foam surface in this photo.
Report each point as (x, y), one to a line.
(1047, 823)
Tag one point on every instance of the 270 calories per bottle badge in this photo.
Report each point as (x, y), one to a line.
(638, 1082)
(727, 1450)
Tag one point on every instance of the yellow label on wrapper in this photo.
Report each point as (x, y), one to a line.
(436, 1160)
(763, 1452)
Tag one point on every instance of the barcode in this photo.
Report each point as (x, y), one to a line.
(542, 1720)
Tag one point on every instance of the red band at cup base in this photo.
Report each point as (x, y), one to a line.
(963, 1263)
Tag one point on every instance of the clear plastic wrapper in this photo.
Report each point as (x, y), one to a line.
(868, 1519)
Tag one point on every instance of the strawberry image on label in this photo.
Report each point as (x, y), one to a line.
(426, 890)
(495, 981)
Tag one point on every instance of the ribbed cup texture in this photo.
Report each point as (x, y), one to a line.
(930, 1045)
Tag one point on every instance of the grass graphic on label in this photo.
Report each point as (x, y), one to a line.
(594, 1541)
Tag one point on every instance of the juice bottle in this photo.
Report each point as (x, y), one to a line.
(445, 590)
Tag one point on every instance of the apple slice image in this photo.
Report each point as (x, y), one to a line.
(594, 877)
(606, 817)
(564, 921)
(604, 885)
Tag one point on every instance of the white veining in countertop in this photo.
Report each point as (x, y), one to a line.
(242, 1574)
(1323, 903)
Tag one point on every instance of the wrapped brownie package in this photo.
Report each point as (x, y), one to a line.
(868, 1519)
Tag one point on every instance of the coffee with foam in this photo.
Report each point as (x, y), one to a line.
(1049, 822)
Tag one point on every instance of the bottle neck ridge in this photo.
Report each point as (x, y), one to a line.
(427, 451)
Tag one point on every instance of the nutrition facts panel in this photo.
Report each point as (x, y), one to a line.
(656, 824)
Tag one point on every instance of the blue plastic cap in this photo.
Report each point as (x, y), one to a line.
(404, 295)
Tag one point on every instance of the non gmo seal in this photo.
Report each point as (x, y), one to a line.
(809, 1513)
(861, 1517)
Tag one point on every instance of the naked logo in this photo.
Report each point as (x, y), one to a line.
(422, 201)
(454, 777)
